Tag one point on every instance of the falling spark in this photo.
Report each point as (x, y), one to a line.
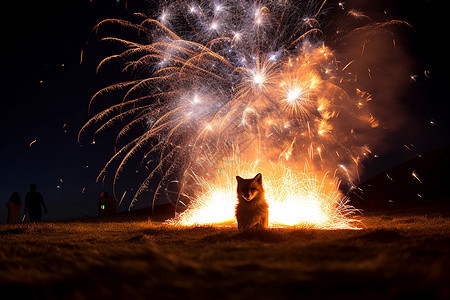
(390, 178)
(81, 56)
(123, 195)
(32, 143)
(414, 174)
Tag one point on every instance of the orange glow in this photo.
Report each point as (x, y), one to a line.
(296, 198)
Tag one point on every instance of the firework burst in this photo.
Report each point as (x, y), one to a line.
(226, 88)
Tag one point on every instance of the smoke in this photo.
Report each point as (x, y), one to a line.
(382, 67)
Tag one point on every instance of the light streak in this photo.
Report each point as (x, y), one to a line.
(414, 174)
(121, 199)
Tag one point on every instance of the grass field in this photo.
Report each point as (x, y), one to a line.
(395, 256)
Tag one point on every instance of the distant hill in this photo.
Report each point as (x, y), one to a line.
(422, 181)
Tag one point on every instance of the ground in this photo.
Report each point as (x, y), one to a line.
(396, 255)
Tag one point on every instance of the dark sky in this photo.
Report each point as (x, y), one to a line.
(46, 91)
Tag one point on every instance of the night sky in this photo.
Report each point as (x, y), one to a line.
(46, 91)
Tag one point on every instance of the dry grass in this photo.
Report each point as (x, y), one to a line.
(393, 257)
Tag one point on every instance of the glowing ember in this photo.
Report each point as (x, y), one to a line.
(254, 81)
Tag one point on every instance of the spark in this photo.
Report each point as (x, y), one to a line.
(193, 9)
(390, 178)
(274, 56)
(414, 174)
(164, 17)
(196, 99)
(357, 14)
(121, 199)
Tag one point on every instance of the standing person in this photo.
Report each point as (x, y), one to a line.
(34, 203)
(14, 204)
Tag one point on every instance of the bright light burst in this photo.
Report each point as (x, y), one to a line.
(254, 82)
(297, 197)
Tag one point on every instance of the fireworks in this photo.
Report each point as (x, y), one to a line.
(296, 197)
(219, 89)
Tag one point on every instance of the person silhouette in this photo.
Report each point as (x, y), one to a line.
(14, 204)
(33, 204)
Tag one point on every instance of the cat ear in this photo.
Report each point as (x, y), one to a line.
(239, 179)
(258, 178)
